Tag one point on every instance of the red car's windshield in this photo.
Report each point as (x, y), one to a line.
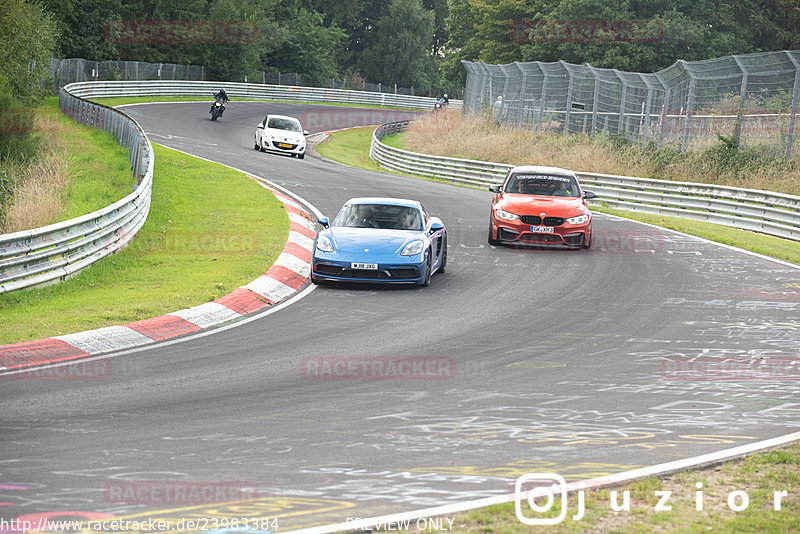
(542, 184)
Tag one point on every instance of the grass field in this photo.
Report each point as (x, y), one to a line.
(210, 230)
(455, 135)
(78, 170)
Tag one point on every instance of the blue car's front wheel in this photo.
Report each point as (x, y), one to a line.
(426, 281)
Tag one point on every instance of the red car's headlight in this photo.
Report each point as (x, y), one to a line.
(506, 215)
(580, 219)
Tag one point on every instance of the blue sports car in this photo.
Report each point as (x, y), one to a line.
(380, 240)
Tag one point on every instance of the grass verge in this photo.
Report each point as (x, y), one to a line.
(721, 162)
(776, 247)
(758, 476)
(350, 147)
(209, 231)
(77, 170)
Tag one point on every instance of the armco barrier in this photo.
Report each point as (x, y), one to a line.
(747, 209)
(51, 253)
(252, 90)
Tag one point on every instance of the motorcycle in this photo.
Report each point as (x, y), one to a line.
(217, 108)
(440, 105)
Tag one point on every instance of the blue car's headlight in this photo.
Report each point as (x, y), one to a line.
(415, 247)
(324, 244)
(580, 219)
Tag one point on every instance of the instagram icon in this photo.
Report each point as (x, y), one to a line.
(532, 488)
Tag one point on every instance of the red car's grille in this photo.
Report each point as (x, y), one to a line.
(536, 220)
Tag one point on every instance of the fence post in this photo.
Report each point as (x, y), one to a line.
(595, 95)
(742, 95)
(568, 106)
(689, 103)
(521, 107)
(622, 101)
(793, 113)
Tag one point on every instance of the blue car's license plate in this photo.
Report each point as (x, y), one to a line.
(367, 266)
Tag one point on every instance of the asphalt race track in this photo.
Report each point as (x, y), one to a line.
(544, 360)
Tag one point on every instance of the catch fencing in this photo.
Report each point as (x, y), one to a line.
(253, 91)
(52, 253)
(747, 209)
(752, 98)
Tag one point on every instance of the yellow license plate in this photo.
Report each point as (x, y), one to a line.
(284, 145)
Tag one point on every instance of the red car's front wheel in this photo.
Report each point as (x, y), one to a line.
(492, 240)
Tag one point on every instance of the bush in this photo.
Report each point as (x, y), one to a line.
(17, 127)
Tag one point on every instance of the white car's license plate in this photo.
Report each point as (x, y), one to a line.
(542, 229)
(367, 266)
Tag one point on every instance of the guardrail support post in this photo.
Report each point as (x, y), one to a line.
(793, 113)
(689, 103)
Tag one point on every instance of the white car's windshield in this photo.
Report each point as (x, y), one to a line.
(284, 124)
(379, 216)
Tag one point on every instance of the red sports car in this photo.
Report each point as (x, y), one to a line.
(540, 206)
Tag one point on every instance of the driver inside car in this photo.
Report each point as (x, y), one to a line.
(361, 216)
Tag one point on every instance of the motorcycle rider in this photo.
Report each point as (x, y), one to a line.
(223, 96)
(441, 103)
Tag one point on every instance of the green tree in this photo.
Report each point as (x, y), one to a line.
(308, 47)
(29, 36)
(82, 25)
(460, 26)
(401, 51)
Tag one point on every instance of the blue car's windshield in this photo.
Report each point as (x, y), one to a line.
(542, 185)
(379, 216)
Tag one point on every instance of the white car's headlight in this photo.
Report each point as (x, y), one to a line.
(580, 219)
(508, 216)
(415, 247)
(324, 244)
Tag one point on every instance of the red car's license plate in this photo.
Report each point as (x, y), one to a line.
(542, 229)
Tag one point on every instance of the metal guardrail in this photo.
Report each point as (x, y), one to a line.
(52, 253)
(254, 91)
(766, 212)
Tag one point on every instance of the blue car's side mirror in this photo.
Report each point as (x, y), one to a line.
(436, 225)
(324, 221)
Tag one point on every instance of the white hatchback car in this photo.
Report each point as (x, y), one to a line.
(278, 133)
